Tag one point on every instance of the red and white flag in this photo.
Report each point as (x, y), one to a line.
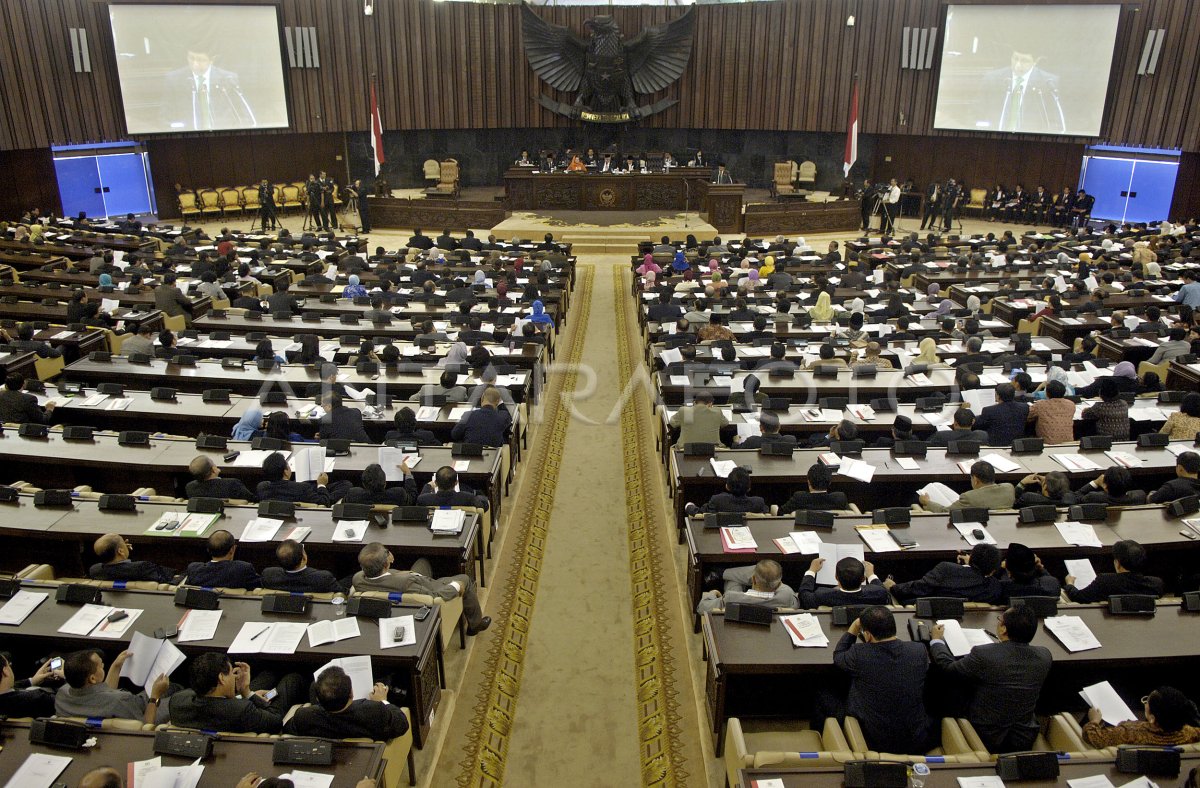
(376, 132)
(851, 135)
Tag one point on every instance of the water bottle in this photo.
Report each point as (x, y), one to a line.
(919, 774)
(339, 606)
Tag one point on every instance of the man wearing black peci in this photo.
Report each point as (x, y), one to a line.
(266, 205)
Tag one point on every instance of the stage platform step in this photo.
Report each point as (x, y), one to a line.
(603, 232)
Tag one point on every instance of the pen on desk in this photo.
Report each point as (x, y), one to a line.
(256, 635)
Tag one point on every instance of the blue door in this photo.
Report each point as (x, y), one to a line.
(124, 182)
(1108, 181)
(79, 186)
(1151, 190)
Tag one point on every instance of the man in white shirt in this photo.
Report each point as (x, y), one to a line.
(890, 207)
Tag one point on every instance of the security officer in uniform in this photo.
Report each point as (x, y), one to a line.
(950, 198)
(266, 205)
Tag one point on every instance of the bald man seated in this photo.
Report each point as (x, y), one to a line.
(207, 482)
(113, 551)
(104, 777)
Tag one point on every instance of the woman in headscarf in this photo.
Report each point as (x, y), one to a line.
(768, 267)
(649, 281)
(943, 308)
(974, 304)
(354, 289)
(928, 352)
(248, 424)
(456, 356)
(749, 282)
(105, 281)
(687, 284)
(648, 265)
(1054, 373)
(680, 263)
(858, 306)
(1125, 376)
(1152, 270)
(539, 317)
(480, 279)
(719, 285)
(822, 311)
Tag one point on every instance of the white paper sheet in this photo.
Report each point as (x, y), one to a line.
(388, 627)
(85, 619)
(303, 779)
(879, 539)
(939, 493)
(362, 679)
(960, 641)
(38, 771)
(1113, 710)
(261, 529)
(1072, 632)
(350, 530)
(805, 631)
(199, 625)
(332, 630)
(1079, 534)
(284, 637)
(1082, 570)
(250, 638)
(965, 530)
(832, 553)
(807, 542)
(1095, 781)
(17, 609)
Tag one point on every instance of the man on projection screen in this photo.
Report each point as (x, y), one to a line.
(1021, 97)
(202, 97)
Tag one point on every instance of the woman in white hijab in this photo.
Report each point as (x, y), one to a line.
(458, 354)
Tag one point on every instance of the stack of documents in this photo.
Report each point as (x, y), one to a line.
(738, 539)
(398, 631)
(362, 678)
(182, 524)
(966, 528)
(17, 609)
(92, 620)
(878, 538)
(260, 529)
(722, 468)
(1080, 569)
(350, 530)
(332, 630)
(150, 658)
(391, 459)
(805, 630)
(448, 521)
(1124, 458)
(1075, 462)
(260, 637)
(1072, 632)
(199, 625)
(856, 469)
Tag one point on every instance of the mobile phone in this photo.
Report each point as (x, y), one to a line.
(56, 663)
(271, 694)
(423, 613)
(398, 635)
(116, 616)
(905, 542)
(231, 456)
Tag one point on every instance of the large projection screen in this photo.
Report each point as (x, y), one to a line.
(197, 68)
(1026, 69)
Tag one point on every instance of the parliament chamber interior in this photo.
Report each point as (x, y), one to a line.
(765, 394)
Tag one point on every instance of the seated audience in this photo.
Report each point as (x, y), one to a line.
(295, 575)
(223, 697)
(113, 551)
(1024, 575)
(18, 407)
(1007, 677)
(887, 685)
(277, 485)
(857, 584)
(207, 483)
(962, 428)
(1111, 414)
(337, 715)
(972, 577)
(27, 697)
(1054, 415)
(1171, 720)
(406, 431)
(447, 490)
(1185, 483)
(374, 489)
(736, 497)
(1113, 487)
(1184, 424)
(818, 495)
(1041, 489)
(1129, 558)
(91, 691)
(487, 425)
(376, 574)
(985, 493)
(1004, 421)
(222, 570)
(761, 584)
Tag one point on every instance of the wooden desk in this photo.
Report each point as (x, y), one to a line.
(527, 190)
(295, 379)
(754, 671)
(19, 361)
(805, 218)
(107, 466)
(947, 774)
(326, 327)
(1151, 526)
(232, 757)
(776, 477)
(454, 214)
(419, 667)
(75, 346)
(1068, 329)
(66, 542)
(1184, 376)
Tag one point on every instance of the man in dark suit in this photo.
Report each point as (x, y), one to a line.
(736, 497)
(170, 299)
(487, 425)
(419, 241)
(202, 97)
(1020, 97)
(266, 205)
(446, 241)
(1004, 421)
(222, 570)
(768, 424)
(337, 715)
(207, 482)
(818, 496)
(342, 422)
(857, 584)
(17, 407)
(471, 243)
(961, 429)
(1185, 483)
(887, 684)
(374, 489)
(222, 697)
(972, 577)
(377, 575)
(1128, 559)
(277, 485)
(115, 564)
(1008, 677)
(933, 205)
(295, 575)
(445, 490)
